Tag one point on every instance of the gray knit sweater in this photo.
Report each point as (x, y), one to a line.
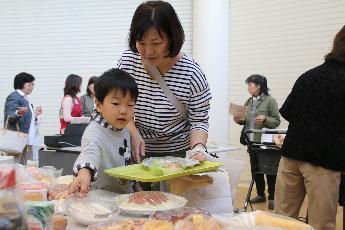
(103, 147)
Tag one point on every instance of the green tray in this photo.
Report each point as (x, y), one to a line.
(139, 173)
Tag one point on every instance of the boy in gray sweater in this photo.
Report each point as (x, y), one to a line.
(106, 141)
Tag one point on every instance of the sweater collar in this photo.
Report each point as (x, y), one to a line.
(97, 117)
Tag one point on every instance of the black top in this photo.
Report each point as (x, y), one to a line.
(315, 110)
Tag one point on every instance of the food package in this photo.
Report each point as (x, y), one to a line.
(58, 191)
(199, 222)
(45, 174)
(35, 195)
(91, 209)
(260, 220)
(40, 214)
(11, 208)
(133, 224)
(60, 222)
(160, 166)
(175, 215)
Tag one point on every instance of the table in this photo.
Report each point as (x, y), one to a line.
(222, 149)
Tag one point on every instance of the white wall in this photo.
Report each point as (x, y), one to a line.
(51, 39)
(281, 40)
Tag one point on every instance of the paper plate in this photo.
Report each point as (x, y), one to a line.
(173, 202)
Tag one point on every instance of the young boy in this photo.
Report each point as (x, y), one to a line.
(106, 142)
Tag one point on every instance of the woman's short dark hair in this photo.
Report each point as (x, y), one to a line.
(90, 82)
(22, 78)
(260, 80)
(338, 50)
(115, 79)
(72, 85)
(162, 16)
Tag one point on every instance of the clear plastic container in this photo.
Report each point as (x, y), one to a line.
(92, 209)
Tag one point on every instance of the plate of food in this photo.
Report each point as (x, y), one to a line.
(145, 203)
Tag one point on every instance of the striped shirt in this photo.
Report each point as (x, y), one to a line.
(158, 121)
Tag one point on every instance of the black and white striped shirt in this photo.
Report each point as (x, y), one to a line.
(159, 122)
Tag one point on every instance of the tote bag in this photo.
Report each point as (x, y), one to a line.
(12, 141)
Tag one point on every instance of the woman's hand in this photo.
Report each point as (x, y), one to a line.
(22, 110)
(138, 147)
(259, 119)
(38, 111)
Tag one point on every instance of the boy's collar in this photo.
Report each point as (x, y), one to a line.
(97, 117)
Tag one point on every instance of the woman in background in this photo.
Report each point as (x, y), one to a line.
(88, 99)
(262, 113)
(71, 105)
(18, 110)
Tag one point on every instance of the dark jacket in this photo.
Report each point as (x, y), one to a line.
(315, 110)
(13, 101)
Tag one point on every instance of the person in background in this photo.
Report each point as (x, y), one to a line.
(313, 153)
(262, 113)
(71, 105)
(19, 110)
(88, 99)
(106, 140)
(155, 39)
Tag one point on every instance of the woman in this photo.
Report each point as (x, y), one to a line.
(155, 39)
(262, 113)
(18, 110)
(71, 104)
(88, 99)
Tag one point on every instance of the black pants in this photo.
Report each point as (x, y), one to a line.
(260, 180)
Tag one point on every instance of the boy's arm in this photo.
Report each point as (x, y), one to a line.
(89, 158)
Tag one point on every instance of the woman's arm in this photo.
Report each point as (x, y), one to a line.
(272, 121)
(137, 142)
(67, 105)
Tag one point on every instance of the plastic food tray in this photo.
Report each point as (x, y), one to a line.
(139, 172)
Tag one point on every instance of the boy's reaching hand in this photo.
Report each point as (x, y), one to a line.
(81, 183)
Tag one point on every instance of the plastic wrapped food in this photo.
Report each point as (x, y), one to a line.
(91, 210)
(58, 191)
(198, 222)
(133, 224)
(160, 166)
(11, 203)
(126, 224)
(148, 202)
(40, 214)
(260, 220)
(175, 215)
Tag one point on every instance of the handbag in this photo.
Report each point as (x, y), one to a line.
(242, 137)
(12, 141)
(156, 75)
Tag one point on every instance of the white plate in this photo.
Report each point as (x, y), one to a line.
(173, 202)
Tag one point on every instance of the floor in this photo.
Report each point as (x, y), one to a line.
(243, 184)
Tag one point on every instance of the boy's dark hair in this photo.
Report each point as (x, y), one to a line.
(72, 85)
(162, 16)
(259, 80)
(115, 79)
(22, 78)
(338, 50)
(92, 80)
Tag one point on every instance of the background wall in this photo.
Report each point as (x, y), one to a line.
(51, 39)
(281, 40)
